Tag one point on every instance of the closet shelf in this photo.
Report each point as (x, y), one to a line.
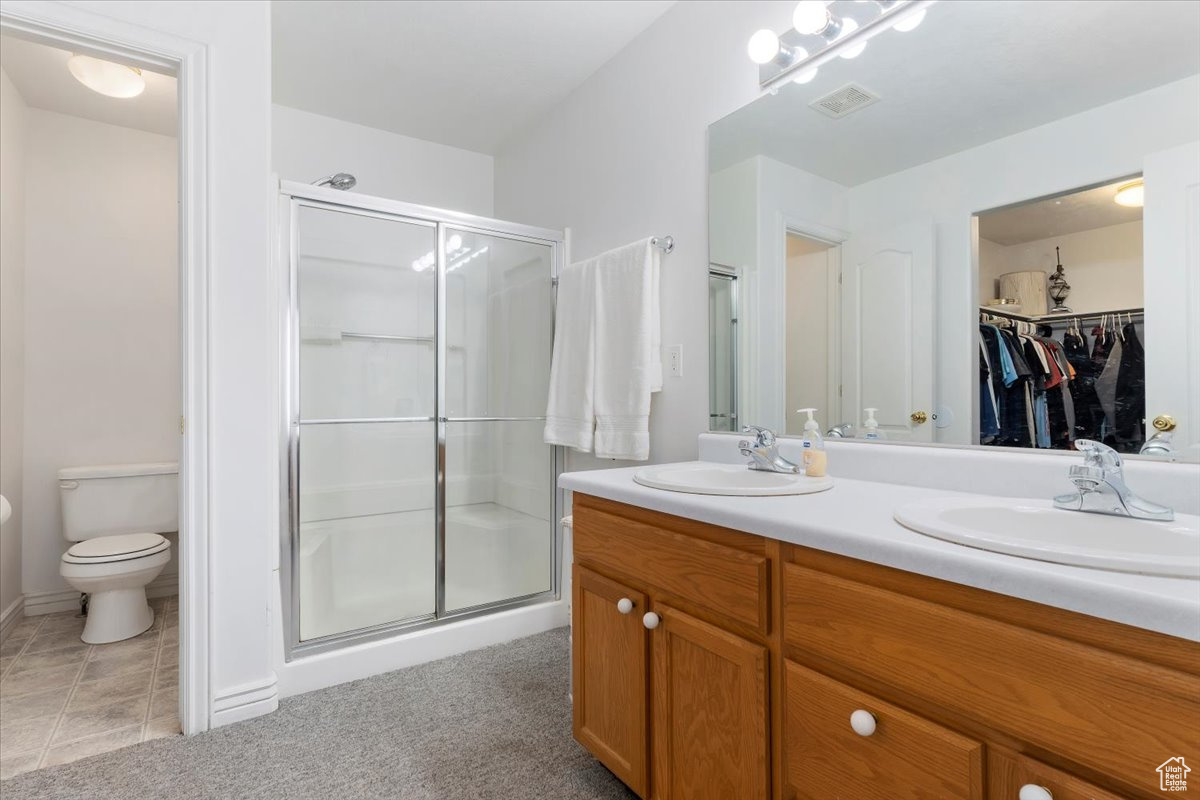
(997, 311)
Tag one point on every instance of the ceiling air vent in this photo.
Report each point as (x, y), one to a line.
(844, 101)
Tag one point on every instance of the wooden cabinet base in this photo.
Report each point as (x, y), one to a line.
(746, 680)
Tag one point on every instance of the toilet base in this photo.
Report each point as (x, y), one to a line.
(117, 614)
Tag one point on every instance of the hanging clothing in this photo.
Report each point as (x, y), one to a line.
(1106, 389)
(1129, 401)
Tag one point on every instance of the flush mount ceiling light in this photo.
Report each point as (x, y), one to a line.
(821, 31)
(106, 77)
(1132, 194)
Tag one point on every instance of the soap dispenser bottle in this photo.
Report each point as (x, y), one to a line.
(871, 425)
(813, 453)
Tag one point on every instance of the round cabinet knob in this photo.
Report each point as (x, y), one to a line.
(1164, 423)
(624, 605)
(1031, 791)
(651, 620)
(863, 723)
(919, 417)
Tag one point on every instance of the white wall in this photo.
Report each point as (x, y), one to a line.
(1094, 146)
(102, 317)
(625, 156)
(13, 141)
(307, 147)
(243, 380)
(1103, 266)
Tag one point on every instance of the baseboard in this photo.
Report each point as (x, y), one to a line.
(11, 616)
(245, 701)
(68, 600)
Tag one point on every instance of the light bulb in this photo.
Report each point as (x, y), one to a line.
(849, 26)
(106, 77)
(806, 76)
(910, 21)
(810, 17)
(763, 47)
(453, 243)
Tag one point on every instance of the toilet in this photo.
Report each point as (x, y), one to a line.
(116, 516)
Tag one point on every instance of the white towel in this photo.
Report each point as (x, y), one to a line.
(607, 354)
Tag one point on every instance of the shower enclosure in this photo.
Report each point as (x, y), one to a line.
(418, 359)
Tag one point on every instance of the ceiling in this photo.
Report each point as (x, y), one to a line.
(973, 72)
(1057, 216)
(40, 74)
(465, 73)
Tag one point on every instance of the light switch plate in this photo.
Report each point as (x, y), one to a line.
(675, 360)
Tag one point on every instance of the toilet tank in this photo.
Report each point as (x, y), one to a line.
(119, 498)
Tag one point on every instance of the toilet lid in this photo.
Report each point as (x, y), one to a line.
(117, 548)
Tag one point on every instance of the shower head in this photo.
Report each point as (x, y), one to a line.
(340, 180)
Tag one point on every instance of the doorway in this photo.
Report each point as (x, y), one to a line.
(810, 314)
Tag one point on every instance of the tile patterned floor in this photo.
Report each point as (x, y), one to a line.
(62, 699)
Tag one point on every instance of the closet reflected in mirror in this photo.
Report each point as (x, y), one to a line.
(973, 233)
(1061, 354)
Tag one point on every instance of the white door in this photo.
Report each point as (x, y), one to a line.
(1171, 230)
(887, 330)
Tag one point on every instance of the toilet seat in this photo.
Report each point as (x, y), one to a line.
(109, 549)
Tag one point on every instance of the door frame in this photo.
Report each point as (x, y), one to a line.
(80, 30)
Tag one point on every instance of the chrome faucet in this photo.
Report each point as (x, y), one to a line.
(843, 431)
(1100, 481)
(764, 452)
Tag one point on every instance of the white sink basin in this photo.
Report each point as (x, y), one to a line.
(1035, 529)
(701, 477)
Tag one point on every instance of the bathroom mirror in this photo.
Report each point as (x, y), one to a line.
(986, 228)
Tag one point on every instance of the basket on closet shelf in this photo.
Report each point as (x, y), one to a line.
(1029, 290)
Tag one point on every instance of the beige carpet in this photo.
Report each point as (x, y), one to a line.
(494, 724)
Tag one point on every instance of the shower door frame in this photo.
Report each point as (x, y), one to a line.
(292, 197)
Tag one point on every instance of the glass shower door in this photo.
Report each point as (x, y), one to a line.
(499, 475)
(364, 419)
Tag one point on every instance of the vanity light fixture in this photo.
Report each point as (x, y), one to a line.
(107, 77)
(1132, 194)
(792, 56)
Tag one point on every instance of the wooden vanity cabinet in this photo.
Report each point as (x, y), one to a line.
(768, 670)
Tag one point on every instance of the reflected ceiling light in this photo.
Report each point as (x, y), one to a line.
(106, 77)
(1132, 195)
(910, 21)
(453, 243)
(849, 26)
(806, 76)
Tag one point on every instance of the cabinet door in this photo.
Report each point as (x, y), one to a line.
(841, 742)
(709, 692)
(610, 670)
(1015, 777)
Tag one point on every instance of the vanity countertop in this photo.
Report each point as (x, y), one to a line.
(854, 519)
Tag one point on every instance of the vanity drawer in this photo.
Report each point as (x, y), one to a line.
(904, 756)
(724, 579)
(1010, 773)
(1109, 712)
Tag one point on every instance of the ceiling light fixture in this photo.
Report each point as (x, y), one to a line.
(106, 77)
(791, 56)
(1131, 195)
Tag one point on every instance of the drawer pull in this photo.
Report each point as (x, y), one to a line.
(624, 605)
(1031, 791)
(863, 723)
(650, 620)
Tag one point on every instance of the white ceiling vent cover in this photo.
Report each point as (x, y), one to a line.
(844, 101)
